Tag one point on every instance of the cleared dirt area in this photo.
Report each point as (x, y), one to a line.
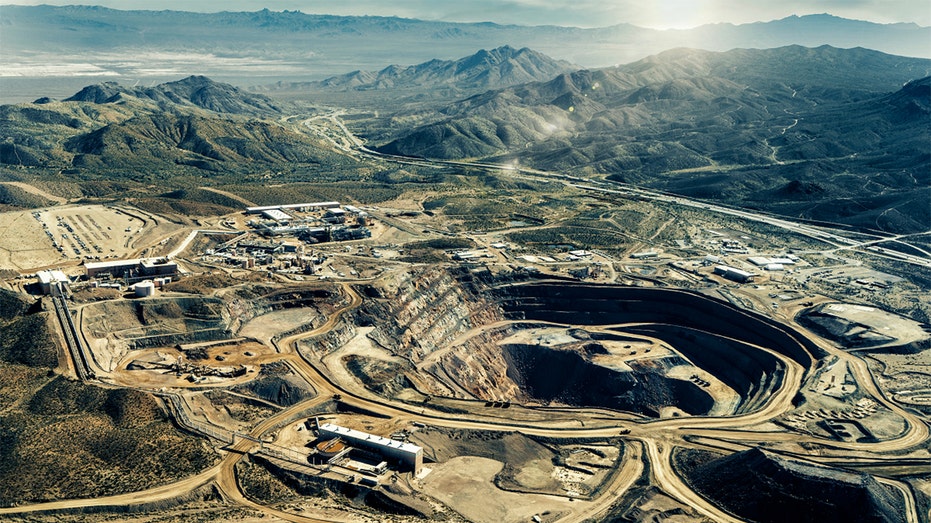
(461, 482)
(157, 368)
(37, 191)
(268, 325)
(860, 326)
(35, 239)
(24, 243)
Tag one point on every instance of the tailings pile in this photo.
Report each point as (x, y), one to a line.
(571, 377)
(765, 487)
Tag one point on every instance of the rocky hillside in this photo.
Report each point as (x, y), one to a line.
(70, 440)
(196, 91)
(733, 126)
(24, 335)
(195, 123)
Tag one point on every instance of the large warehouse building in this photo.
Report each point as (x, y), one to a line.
(406, 453)
(134, 269)
(734, 274)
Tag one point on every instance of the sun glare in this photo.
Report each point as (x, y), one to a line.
(676, 14)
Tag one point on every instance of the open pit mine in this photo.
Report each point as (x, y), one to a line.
(415, 393)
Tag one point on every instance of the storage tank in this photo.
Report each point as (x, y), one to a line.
(145, 289)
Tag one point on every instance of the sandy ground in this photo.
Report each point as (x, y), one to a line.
(233, 356)
(23, 243)
(726, 399)
(359, 345)
(266, 326)
(902, 330)
(466, 484)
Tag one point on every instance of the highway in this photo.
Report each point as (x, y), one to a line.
(833, 237)
(350, 144)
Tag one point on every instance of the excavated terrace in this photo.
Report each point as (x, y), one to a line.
(651, 351)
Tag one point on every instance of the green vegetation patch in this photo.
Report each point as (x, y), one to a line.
(261, 485)
(434, 250)
(13, 196)
(72, 440)
(204, 196)
(590, 237)
(183, 207)
(24, 337)
(204, 284)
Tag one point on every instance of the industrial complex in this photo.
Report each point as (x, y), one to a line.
(407, 455)
(398, 368)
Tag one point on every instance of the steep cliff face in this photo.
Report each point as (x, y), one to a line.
(479, 368)
(428, 310)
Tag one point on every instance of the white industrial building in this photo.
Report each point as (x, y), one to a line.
(144, 289)
(761, 261)
(645, 254)
(406, 453)
(277, 215)
(735, 274)
(52, 281)
(134, 269)
(303, 207)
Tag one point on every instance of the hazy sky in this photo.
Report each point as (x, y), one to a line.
(660, 14)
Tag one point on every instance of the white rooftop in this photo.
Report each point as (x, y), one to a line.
(277, 215)
(762, 261)
(370, 439)
(311, 205)
(733, 270)
(55, 275)
(115, 263)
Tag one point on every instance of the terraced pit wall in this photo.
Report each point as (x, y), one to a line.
(245, 305)
(433, 308)
(715, 336)
(611, 305)
(428, 310)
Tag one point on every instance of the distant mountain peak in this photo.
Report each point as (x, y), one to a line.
(196, 90)
(502, 66)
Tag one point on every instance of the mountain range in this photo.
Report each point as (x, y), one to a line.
(251, 48)
(486, 69)
(743, 126)
(823, 133)
(193, 91)
(195, 123)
